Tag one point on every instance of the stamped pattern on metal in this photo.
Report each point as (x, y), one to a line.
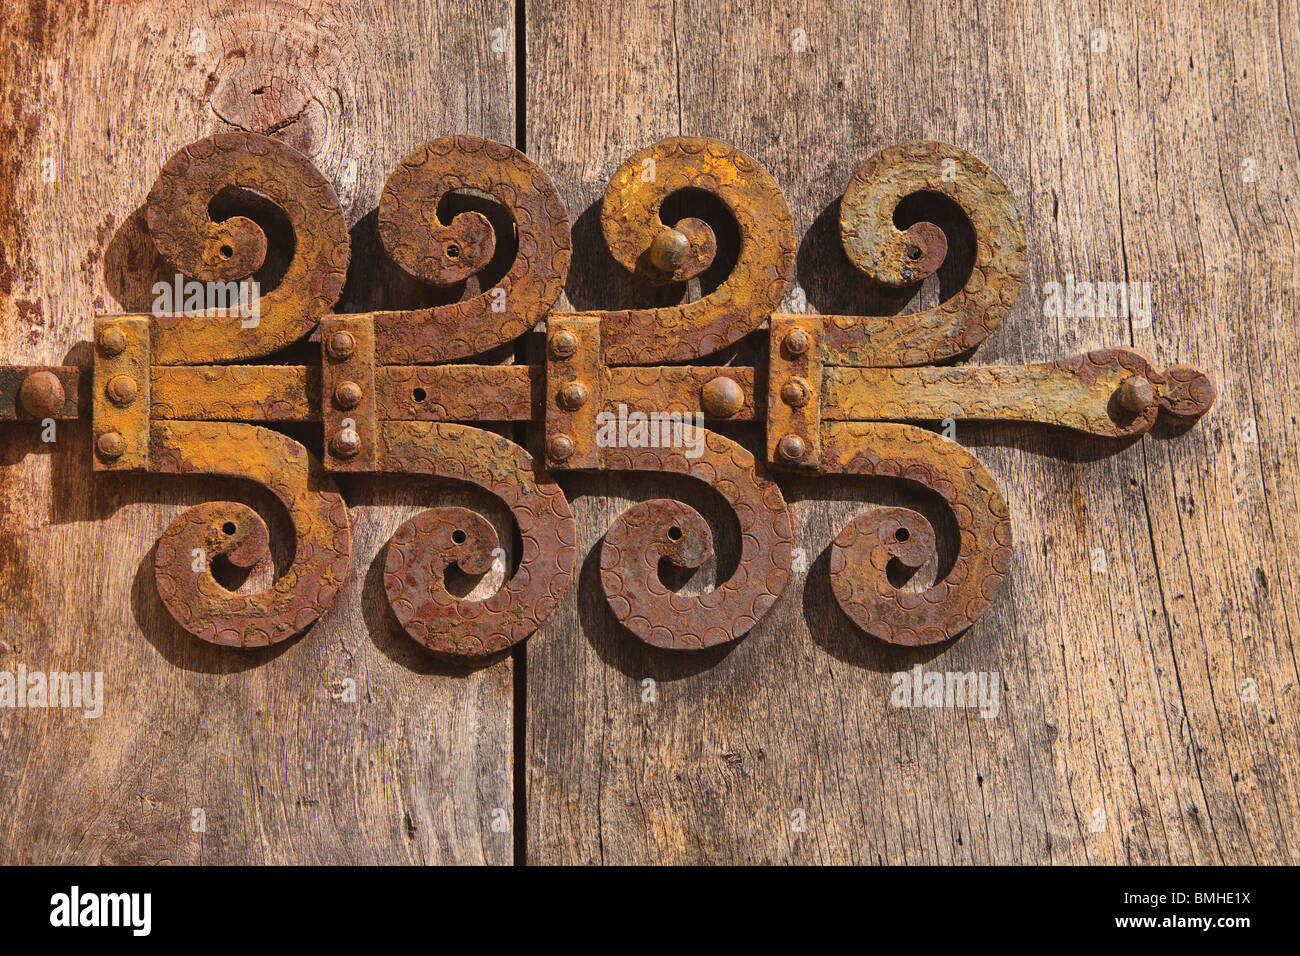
(189, 392)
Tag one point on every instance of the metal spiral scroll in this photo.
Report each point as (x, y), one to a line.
(322, 542)
(831, 397)
(424, 546)
(906, 257)
(651, 531)
(861, 553)
(641, 242)
(186, 236)
(421, 244)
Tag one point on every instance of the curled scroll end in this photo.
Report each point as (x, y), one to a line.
(215, 529)
(638, 237)
(1185, 392)
(863, 551)
(861, 555)
(179, 216)
(409, 226)
(420, 553)
(446, 253)
(426, 546)
(462, 248)
(183, 562)
(645, 534)
(184, 555)
(660, 251)
(678, 253)
(905, 256)
(663, 529)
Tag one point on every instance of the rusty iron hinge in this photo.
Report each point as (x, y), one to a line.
(187, 391)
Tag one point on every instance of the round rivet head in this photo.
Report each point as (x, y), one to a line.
(797, 342)
(722, 397)
(41, 394)
(346, 444)
(668, 250)
(122, 389)
(341, 345)
(573, 396)
(559, 448)
(347, 395)
(110, 446)
(1136, 393)
(563, 344)
(796, 393)
(112, 340)
(791, 448)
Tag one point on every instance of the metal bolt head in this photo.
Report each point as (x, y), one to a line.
(112, 340)
(563, 345)
(1136, 393)
(559, 448)
(341, 345)
(791, 448)
(669, 249)
(122, 389)
(111, 446)
(346, 444)
(722, 397)
(797, 342)
(347, 395)
(796, 393)
(41, 394)
(573, 396)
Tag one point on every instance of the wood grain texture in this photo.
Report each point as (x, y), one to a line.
(1151, 581)
(285, 770)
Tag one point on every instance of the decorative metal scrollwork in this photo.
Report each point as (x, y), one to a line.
(664, 529)
(421, 244)
(182, 229)
(182, 561)
(426, 545)
(393, 393)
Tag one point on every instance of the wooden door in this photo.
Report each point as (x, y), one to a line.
(1143, 641)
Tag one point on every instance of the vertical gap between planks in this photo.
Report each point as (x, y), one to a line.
(520, 655)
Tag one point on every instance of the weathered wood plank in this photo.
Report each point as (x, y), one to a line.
(284, 769)
(1144, 641)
